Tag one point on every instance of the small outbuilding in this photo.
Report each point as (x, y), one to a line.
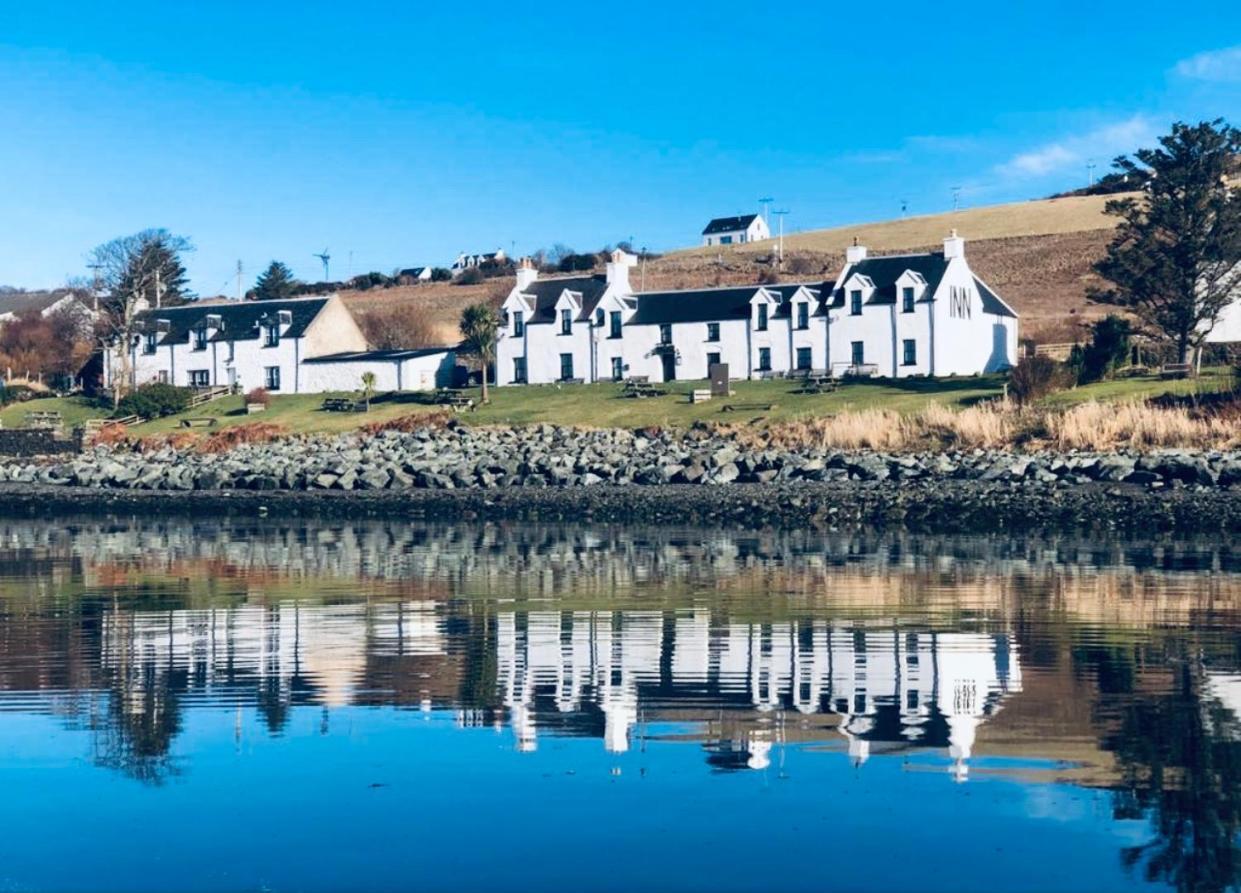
(414, 369)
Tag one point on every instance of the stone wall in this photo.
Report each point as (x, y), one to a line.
(37, 442)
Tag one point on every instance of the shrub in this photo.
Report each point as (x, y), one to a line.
(1105, 352)
(110, 434)
(1034, 378)
(440, 274)
(768, 276)
(399, 324)
(15, 393)
(414, 421)
(260, 396)
(255, 432)
(470, 276)
(150, 401)
(800, 265)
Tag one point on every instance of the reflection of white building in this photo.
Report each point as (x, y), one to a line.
(892, 687)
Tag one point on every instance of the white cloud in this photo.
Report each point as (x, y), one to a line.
(1214, 65)
(1100, 145)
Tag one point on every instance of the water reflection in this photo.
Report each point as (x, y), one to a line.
(1114, 668)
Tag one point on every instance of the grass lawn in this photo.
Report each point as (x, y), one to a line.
(600, 405)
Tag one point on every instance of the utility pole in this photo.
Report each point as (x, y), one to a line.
(642, 287)
(239, 280)
(780, 250)
(765, 204)
(956, 198)
(1090, 166)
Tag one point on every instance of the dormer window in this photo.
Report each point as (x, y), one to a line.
(599, 317)
(855, 302)
(200, 338)
(214, 321)
(285, 317)
(762, 318)
(519, 323)
(566, 322)
(665, 333)
(271, 335)
(907, 299)
(148, 342)
(803, 315)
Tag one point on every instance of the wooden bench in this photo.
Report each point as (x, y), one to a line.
(817, 384)
(747, 407)
(199, 422)
(700, 395)
(1176, 370)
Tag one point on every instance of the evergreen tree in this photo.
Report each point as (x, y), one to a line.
(275, 283)
(1176, 257)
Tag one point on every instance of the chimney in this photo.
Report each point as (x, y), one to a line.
(618, 270)
(855, 252)
(526, 274)
(954, 246)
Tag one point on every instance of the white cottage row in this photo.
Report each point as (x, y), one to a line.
(298, 346)
(894, 316)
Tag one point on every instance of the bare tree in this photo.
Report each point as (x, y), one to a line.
(133, 273)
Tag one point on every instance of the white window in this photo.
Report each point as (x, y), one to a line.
(271, 378)
(200, 378)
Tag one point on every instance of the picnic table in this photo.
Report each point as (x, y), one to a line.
(1176, 370)
(344, 404)
(44, 419)
(457, 400)
(817, 383)
(640, 386)
(198, 422)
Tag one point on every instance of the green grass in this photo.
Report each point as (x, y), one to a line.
(74, 410)
(601, 405)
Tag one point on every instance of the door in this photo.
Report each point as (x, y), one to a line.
(670, 366)
(857, 353)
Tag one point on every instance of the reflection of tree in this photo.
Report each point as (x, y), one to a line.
(135, 734)
(1182, 770)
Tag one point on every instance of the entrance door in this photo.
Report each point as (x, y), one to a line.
(670, 366)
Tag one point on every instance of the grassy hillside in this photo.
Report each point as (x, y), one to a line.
(1038, 255)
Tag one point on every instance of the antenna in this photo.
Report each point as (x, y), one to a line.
(765, 203)
(780, 251)
(642, 287)
(239, 280)
(325, 257)
(956, 198)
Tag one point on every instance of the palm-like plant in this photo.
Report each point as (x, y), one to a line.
(478, 329)
(368, 388)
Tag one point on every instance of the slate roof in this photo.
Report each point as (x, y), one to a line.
(728, 224)
(546, 292)
(713, 304)
(240, 321)
(884, 271)
(991, 302)
(395, 355)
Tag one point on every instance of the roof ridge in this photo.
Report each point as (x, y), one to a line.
(755, 286)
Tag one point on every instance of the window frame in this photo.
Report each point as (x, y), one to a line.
(618, 369)
(857, 353)
(855, 302)
(149, 343)
(566, 321)
(519, 323)
(761, 324)
(271, 336)
(713, 332)
(764, 359)
(566, 376)
(808, 354)
(665, 334)
(521, 372)
(615, 323)
(199, 378)
(271, 378)
(907, 299)
(909, 352)
(200, 339)
(803, 315)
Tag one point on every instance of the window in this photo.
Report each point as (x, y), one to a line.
(519, 323)
(959, 302)
(566, 366)
(231, 351)
(726, 240)
(764, 359)
(713, 359)
(566, 322)
(910, 352)
(271, 336)
(907, 300)
(200, 339)
(803, 315)
(271, 378)
(599, 317)
(616, 324)
(162, 376)
(199, 378)
(618, 369)
(855, 302)
(762, 317)
(805, 358)
(148, 343)
(858, 356)
(665, 333)
(519, 370)
(713, 331)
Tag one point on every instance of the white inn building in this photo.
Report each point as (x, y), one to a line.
(895, 316)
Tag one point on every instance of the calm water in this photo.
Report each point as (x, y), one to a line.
(418, 707)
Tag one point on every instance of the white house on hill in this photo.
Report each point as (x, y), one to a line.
(896, 316)
(302, 345)
(467, 261)
(735, 230)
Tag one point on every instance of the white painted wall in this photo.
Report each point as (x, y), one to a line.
(423, 373)
(755, 232)
(1227, 330)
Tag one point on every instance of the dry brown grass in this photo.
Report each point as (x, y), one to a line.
(255, 432)
(1002, 424)
(415, 421)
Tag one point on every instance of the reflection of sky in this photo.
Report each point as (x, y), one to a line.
(388, 800)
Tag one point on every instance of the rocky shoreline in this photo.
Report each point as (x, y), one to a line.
(694, 476)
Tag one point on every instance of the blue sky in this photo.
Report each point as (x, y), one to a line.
(273, 130)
